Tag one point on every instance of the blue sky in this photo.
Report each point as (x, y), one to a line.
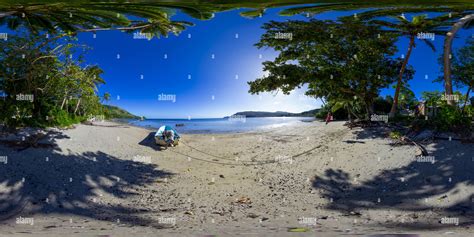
(206, 87)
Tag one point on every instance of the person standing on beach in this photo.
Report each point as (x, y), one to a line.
(329, 118)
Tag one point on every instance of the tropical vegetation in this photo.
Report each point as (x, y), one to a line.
(44, 82)
(345, 62)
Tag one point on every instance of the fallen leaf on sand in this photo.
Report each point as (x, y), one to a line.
(252, 215)
(243, 200)
(189, 213)
(298, 229)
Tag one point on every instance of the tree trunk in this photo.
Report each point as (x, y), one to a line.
(369, 109)
(448, 41)
(77, 105)
(64, 101)
(349, 114)
(393, 110)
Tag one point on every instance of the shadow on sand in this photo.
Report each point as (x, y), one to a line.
(149, 141)
(418, 186)
(42, 181)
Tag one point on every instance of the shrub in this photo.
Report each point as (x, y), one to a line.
(61, 118)
(451, 118)
(395, 135)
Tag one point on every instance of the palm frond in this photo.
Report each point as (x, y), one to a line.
(430, 44)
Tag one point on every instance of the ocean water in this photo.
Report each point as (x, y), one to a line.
(221, 125)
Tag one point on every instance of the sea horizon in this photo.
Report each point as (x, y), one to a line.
(220, 125)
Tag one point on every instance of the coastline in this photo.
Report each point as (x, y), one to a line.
(196, 126)
(322, 178)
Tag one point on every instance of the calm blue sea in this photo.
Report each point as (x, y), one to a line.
(221, 125)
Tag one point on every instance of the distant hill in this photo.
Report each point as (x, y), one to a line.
(251, 114)
(116, 112)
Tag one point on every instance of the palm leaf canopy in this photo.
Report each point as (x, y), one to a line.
(155, 16)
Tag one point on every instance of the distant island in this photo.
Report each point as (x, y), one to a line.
(253, 114)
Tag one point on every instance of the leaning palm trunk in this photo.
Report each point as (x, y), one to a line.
(77, 105)
(393, 110)
(448, 41)
(64, 101)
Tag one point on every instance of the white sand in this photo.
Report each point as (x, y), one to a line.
(112, 179)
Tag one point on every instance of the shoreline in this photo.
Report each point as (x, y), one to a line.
(112, 178)
(261, 129)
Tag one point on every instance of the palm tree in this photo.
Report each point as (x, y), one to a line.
(411, 29)
(463, 11)
(466, 21)
(71, 18)
(106, 97)
(463, 68)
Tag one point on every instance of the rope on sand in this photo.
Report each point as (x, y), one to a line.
(242, 163)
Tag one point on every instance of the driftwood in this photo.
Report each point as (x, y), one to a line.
(423, 150)
(366, 124)
(360, 123)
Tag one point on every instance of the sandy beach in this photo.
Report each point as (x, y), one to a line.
(110, 179)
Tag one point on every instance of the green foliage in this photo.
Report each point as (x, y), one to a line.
(79, 16)
(116, 112)
(61, 118)
(463, 65)
(337, 60)
(451, 118)
(338, 114)
(401, 119)
(448, 118)
(407, 98)
(43, 86)
(396, 135)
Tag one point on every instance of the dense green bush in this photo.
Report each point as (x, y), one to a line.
(44, 87)
(61, 118)
(451, 118)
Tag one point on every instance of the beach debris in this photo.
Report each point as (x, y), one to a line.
(424, 135)
(252, 215)
(442, 197)
(243, 200)
(165, 180)
(221, 176)
(189, 213)
(29, 141)
(297, 229)
(353, 213)
(422, 150)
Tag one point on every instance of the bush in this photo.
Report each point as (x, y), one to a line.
(395, 135)
(61, 118)
(451, 118)
(402, 119)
